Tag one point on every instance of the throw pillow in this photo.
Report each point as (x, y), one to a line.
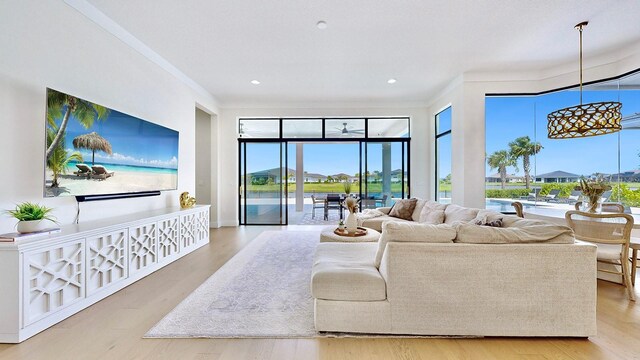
(403, 209)
(411, 232)
(418, 209)
(429, 216)
(455, 213)
(487, 218)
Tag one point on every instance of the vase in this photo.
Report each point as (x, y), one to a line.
(352, 223)
(595, 204)
(32, 226)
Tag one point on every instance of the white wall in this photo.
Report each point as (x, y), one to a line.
(49, 44)
(466, 95)
(228, 145)
(203, 157)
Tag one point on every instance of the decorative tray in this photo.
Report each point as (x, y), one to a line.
(359, 232)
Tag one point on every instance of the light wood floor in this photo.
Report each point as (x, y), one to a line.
(113, 328)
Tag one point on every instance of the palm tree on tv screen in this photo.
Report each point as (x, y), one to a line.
(60, 158)
(522, 147)
(500, 160)
(63, 105)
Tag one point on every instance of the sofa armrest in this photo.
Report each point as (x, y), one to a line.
(492, 290)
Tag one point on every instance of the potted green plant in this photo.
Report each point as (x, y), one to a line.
(32, 217)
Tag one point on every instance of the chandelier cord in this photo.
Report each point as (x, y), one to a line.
(580, 29)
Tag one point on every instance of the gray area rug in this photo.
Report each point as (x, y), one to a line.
(307, 219)
(263, 291)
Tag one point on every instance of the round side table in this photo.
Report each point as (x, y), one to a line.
(328, 235)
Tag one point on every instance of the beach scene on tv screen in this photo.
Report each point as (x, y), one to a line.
(93, 150)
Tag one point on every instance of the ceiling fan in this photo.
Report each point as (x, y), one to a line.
(347, 130)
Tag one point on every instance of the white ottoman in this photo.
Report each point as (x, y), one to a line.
(328, 235)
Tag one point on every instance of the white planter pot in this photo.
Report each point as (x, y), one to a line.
(32, 226)
(352, 223)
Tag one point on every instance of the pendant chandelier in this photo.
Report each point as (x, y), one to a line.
(584, 120)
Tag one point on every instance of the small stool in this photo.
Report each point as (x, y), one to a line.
(327, 235)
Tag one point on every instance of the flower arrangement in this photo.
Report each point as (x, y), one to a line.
(593, 190)
(351, 204)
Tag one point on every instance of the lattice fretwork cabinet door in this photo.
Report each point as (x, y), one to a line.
(202, 226)
(143, 247)
(54, 278)
(106, 260)
(168, 239)
(188, 233)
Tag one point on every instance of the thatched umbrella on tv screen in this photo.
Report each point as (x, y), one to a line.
(93, 142)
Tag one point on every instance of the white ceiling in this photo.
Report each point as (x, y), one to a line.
(223, 45)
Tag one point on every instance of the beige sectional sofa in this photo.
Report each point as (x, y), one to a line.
(527, 278)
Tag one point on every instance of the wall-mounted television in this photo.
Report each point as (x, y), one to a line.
(91, 149)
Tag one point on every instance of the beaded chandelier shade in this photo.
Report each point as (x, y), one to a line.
(585, 119)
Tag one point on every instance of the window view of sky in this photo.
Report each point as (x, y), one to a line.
(322, 158)
(508, 118)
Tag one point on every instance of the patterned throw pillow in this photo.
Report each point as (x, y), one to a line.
(403, 209)
(494, 223)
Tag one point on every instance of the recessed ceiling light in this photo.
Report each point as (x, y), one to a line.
(255, 82)
(321, 24)
(391, 81)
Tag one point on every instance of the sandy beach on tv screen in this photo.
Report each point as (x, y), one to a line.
(121, 182)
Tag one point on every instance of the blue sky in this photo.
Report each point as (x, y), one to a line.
(133, 141)
(510, 117)
(507, 118)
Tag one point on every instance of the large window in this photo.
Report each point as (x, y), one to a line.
(367, 158)
(443, 156)
(524, 164)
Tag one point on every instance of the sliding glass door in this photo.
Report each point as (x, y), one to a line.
(386, 174)
(263, 183)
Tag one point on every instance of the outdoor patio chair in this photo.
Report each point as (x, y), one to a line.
(552, 196)
(99, 172)
(612, 234)
(83, 170)
(533, 196)
(334, 201)
(574, 197)
(318, 203)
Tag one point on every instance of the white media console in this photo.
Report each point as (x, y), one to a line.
(43, 281)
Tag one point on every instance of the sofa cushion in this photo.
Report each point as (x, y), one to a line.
(546, 233)
(376, 222)
(518, 222)
(412, 232)
(455, 213)
(346, 272)
(488, 218)
(403, 209)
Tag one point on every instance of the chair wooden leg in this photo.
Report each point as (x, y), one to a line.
(627, 280)
(634, 265)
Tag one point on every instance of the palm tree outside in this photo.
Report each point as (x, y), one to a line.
(500, 160)
(522, 147)
(84, 111)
